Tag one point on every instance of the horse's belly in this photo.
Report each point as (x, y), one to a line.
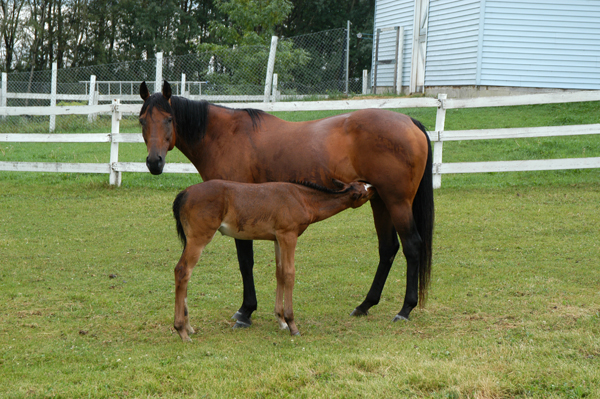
(246, 233)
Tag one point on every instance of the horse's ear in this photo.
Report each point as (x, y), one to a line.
(338, 184)
(144, 93)
(166, 91)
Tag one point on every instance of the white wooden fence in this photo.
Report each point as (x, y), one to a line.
(438, 136)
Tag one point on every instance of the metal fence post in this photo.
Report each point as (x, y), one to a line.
(270, 67)
(182, 89)
(158, 77)
(440, 120)
(347, 55)
(53, 96)
(115, 176)
(92, 117)
(365, 77)
(4, 91)
(274, 92)
(400, 57)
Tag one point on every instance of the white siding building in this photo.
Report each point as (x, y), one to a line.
(496, 46)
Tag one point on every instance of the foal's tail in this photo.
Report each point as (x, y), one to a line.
(177, 204)
(423, 215)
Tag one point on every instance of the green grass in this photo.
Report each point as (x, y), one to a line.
(513, 309)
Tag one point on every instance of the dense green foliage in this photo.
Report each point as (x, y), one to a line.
(77, 33)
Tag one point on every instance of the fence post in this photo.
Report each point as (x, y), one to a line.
(115, 176)
(53, 96)
(365, 77)
(92, 117)
(4, 91)
(270, 67)
(274, 93)
(182, 89)
(347, 55)
(440, 120)
(158, 77)
(400, 52)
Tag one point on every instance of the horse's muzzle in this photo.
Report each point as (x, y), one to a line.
(155, 164)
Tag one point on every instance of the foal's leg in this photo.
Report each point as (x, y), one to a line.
(287, 244)
(279, 292)
(388, 248)
(183, 272)
(245, 255)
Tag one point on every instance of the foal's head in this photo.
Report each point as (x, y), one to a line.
(358, 192)
(156, 118)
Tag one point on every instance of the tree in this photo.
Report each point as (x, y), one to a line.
(236, 59)
(310, 16)
(10, 26)
(249, 22)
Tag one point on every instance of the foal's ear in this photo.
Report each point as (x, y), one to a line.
(144, 93)
(166, 91)
(338, 184)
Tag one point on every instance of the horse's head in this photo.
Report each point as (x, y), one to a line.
(158, 128)
(358, 192)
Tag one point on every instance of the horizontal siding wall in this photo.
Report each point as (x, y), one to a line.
(545, 44)
(390, 13)
(452, 42)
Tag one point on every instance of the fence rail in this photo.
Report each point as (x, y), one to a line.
(438, 136)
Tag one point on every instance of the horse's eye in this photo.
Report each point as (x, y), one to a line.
(169, 120)
(142, 121)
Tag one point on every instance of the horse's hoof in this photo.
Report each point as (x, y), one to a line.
(240, 318)
(241, 324)
(399, 318)
(185, 338)
(296, 334)
(357, 313)
(237, 315)
(284, 326)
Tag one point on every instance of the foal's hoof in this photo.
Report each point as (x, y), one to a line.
(399, 318)
(357, 312)
(296, 334)
(241, 324)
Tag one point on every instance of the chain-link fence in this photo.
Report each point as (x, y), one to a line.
(312, 65)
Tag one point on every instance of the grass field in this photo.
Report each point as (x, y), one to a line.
(513, 309)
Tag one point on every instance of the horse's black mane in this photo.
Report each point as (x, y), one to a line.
(191, 117)
(318, 187)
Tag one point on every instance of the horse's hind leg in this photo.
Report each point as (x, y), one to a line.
(388, 248)
(245, 255)
(411, 244)
(183, 272)
(402, 217)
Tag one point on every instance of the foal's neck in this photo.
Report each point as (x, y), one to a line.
(325, 205)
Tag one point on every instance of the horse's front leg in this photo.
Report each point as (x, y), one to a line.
(280, 289)
(183, 272)
(288, 249)
(245, 255)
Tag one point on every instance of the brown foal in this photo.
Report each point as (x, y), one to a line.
(278, 212)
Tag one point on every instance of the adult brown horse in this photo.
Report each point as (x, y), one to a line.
(389, 150)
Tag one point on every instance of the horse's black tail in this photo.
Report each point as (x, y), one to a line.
(177, 204)
(423, 215)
